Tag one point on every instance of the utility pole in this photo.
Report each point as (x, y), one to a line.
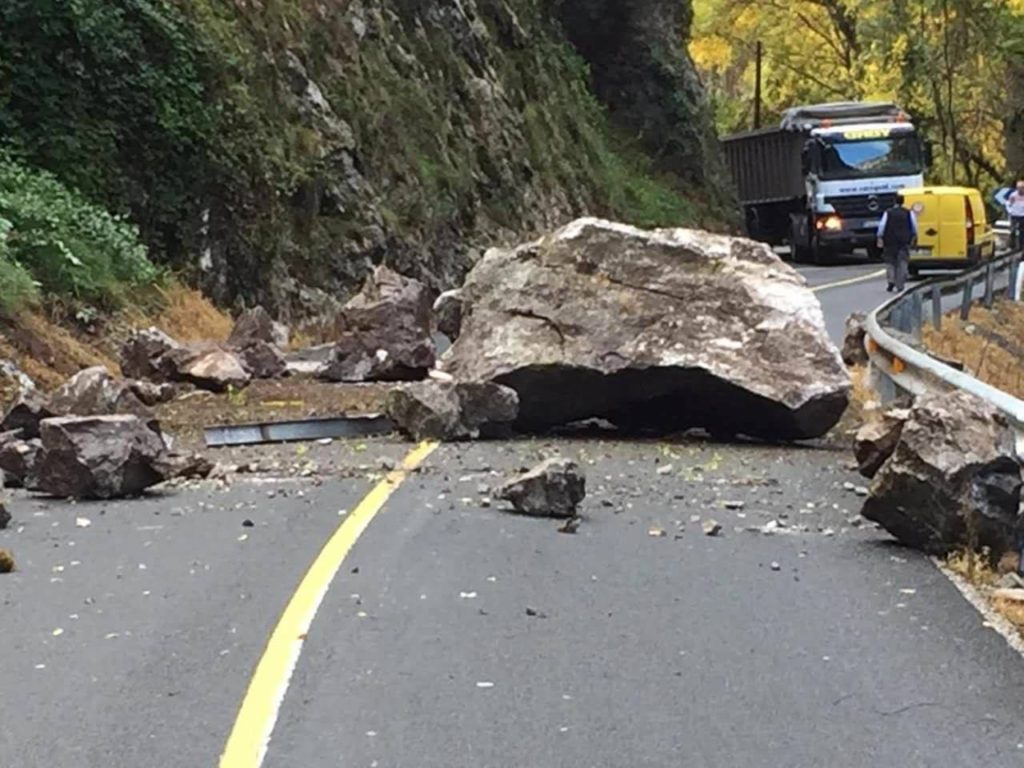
(757, 86)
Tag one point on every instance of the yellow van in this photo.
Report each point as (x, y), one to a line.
(952, 228)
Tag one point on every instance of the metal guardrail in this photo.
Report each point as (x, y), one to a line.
(899, 362)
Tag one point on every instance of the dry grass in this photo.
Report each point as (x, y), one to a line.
(50, 350)
(977, 569)
(982, 356)
(189, 316)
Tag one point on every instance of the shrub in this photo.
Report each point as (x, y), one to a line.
(56, 241)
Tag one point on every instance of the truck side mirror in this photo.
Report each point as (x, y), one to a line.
(805, 157)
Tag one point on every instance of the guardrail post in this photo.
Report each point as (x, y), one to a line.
(916, 309)
(965, 301)
(937, 308)
(990, 281)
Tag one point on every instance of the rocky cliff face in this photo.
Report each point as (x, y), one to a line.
(276, 150)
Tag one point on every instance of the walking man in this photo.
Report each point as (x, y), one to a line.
(897, 231)
(1015, 209)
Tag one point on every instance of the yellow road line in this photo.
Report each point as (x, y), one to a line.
(850, 281)
(247, 744)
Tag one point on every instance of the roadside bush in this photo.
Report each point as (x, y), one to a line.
(55, 242)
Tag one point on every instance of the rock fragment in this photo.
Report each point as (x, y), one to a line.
(438, 410)
(98, 457)
(29, 408)
(554, 488)
(18, 458)
(263, 360)
(6, 561)
(95, 392)
(384, 332)
(142, 356)
(448, 313)
(877, 439)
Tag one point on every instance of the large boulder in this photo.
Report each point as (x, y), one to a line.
(93, 392)
(448, 313)
(660, 330)
(254, 324)
(143, 355)
(207, 366)
(384, 332)
(18, 457)
(854, 351)
(952, 480)
(25, 413)
(263, 360)
(438, 410)
(98, 457)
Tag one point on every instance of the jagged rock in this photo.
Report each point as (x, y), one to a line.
(19, 380)
(5, 516)
(207, 366)
(659, 330)
(29, 408)
(18, 458)
(554, 488)
(189, 466)
(384, 332)
(95, 392)
(263, 360)
(952, 481)
(877, 439)
(153, 394)
(448, 313)
(438, 410)
(252, 325)
(142, 356)
(854, 352)
(98, 457)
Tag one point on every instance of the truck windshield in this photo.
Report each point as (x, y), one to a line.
(893, 156)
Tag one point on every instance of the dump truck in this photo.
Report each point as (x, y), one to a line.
(822, 178)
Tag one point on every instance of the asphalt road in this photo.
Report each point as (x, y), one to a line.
(457, 635)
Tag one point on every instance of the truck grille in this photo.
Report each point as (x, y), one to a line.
(862, 206)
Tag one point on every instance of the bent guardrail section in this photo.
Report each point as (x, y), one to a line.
(899, 362)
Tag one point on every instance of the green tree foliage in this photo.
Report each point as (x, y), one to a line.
(951, 63)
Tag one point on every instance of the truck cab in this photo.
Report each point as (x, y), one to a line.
(821, 180)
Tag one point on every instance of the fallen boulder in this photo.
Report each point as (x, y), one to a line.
(143, 355)
(876, 440)
(98, 457)
(952, 480)
(18, 459)
(384, 332)
(207, 366)
(436, 410)
(94, 392)
(263, 360)
(188, 466)
(448, 313)
(854, 352)
(254, 324)
(656, 330)
(29, 408)
(153, 394)
(554, 488)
